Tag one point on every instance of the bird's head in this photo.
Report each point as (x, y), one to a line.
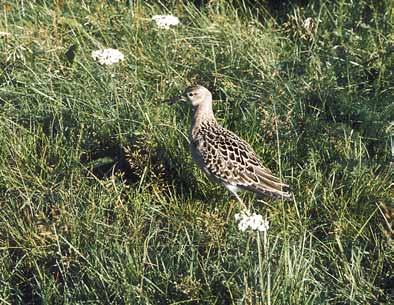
(198, 95)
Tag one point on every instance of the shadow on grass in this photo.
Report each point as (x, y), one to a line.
(141, 160)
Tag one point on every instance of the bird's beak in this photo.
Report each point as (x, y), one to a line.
(173, 100)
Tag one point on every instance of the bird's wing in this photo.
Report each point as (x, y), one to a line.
(233, 161)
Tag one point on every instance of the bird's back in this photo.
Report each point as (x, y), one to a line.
(228, 159)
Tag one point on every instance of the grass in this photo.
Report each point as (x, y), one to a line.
(100, 201)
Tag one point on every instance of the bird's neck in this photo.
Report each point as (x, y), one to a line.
(202, 113)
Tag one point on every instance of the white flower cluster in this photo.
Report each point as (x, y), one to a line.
(253, 221)
(165, 21)
(5, 34)
(107, 56)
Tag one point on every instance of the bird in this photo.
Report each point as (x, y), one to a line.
(223, 156)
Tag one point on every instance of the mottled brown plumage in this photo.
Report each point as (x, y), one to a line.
(225, 157)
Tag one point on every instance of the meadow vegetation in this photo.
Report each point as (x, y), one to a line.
(100, 202)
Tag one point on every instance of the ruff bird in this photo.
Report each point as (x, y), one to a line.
(223, 156)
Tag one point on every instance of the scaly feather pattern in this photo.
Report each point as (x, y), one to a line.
(225, 157)
(228, 159)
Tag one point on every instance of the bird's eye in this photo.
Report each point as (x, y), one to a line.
(190, 94)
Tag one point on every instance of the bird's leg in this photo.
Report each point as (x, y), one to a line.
(240, 200)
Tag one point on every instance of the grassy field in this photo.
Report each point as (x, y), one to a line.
(100, 202)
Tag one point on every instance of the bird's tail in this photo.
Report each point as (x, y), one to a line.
(283, 193)
(267, 184)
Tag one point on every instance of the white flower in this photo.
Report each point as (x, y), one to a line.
(237, 216)
(254, 221)
(165, 21)
(107, 56)
(5, 34)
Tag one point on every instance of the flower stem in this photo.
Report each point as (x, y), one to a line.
(260, 264)
(268, 268)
